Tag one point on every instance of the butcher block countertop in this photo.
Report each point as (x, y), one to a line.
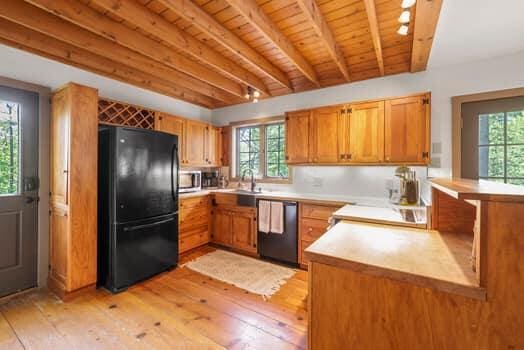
(407, 216)
(422, 257)
(479, 190)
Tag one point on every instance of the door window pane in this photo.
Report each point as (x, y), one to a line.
(491, 129)
(491, 161)
(9, 147)
(515, 125)
(501, 147)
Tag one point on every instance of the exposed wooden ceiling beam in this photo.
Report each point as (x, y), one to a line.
(426, 18)
(17, 36)
(319, 24)
(88, 18)
(46, 23)
(250, 10)
(157, 25)
(375, 33)
(205, 22)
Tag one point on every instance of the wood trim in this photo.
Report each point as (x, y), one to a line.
(88, 18)
(319, 24)
(257, 121)
(456, 133)
(375, 33)
(157, 25)
(426, 18)
(251, 12)
(205, 22)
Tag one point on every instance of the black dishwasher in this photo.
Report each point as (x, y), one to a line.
(281, 247)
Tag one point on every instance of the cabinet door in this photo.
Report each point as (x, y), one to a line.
(297, 137)
(60, 147)
(222, 233)
(212, 146)
(323, 135)
(407, 130)
(243, 227)
(58, 246)
(195, 143)
(367, 132)
(173, 125)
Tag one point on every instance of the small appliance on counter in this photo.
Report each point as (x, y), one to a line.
(409, 189)
(210, 179)
(189, 181)
(137, 205)
(223, 182)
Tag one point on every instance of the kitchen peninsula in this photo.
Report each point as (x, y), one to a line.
(456, 286)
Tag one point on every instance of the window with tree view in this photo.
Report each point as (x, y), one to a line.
(9, 147)
(261, 148)
(501, 147)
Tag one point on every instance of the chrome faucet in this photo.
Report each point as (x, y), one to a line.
(253, 184)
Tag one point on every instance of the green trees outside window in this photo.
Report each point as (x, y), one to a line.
(9, 147)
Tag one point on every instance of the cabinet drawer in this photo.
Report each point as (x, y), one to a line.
(311, 229)
(316, 211)
(226, 199)
(193, 240)
(192, 202)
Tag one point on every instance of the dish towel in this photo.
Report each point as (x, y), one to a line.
(264, 215)
(277, 217)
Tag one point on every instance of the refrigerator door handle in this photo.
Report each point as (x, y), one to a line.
(174, 158)
(140, 227)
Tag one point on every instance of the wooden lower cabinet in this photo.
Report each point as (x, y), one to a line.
(313, 223)
(235, 227)
(194, 222)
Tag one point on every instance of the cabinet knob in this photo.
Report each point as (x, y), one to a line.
(310, 229)
(342, 156)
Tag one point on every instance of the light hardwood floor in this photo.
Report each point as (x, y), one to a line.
(180, 309)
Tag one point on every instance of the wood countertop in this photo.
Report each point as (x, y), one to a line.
(479, 190)
(407, 216)
(421, 257)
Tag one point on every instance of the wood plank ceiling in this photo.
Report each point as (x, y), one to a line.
(208, 52)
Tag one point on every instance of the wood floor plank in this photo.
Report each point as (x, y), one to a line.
(8, 339)
(180, 309)
(254, 318)
(222, 328)
(31, 327)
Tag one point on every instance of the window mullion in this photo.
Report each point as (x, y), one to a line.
(263, 150)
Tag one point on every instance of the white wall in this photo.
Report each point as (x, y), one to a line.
(24, 66)
(443, 82)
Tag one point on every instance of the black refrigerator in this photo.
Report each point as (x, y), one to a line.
(137, 205)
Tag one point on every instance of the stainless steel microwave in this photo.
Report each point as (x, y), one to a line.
(189, 181)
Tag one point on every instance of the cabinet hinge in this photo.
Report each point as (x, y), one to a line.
(425, 101)
(287, 118)
(343, 111)
(425, 154)
(349, 110)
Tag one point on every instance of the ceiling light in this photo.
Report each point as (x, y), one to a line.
(256, 94)
(255, 100)
(404, 17)
(403, 30)
(408, 3)
(247, 96)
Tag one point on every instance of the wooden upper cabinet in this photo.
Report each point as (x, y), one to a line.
(195, 134)
(366, 132)
(213, 141)
(297, 136)
(60, 125)
(225, 146)
(173, 125)
(407, 130)
(323, 135)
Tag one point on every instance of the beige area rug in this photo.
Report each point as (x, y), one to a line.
(251, 274)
